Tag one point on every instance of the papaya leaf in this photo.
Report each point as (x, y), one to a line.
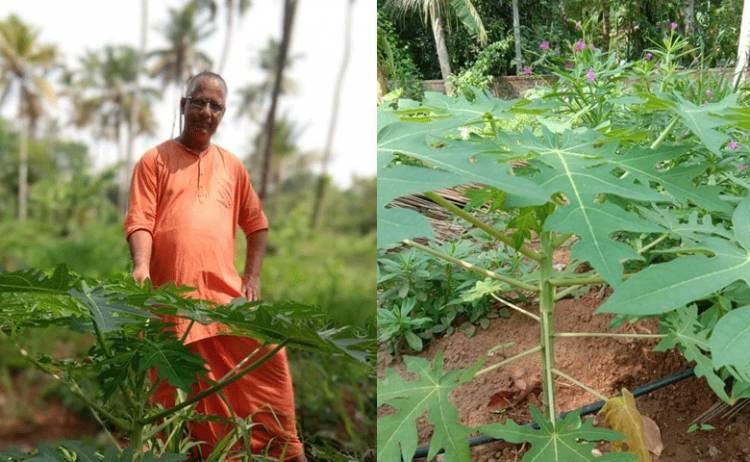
(730, 340)
(462, 111)
(302, 326)
(32, 280)
(575, 163)
(445, 163)
(679, 181)
(430, 391)
(396, 224)
(107, 312)
(685, 331)
(688, 226)
(171, 360)
(667, 286)
(568, 440)
(462, 162)
(621, 414)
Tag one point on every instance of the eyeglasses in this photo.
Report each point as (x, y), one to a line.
(216, 108)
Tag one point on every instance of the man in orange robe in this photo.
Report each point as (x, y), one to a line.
(187, 199)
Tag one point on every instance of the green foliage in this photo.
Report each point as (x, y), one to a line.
(493, 60)
(430, 391)
(395, 59)
(421, 296)
(396, 325)
(667, 286)
(685, 330)
(131, 341)
(568, 439)
(600, 161)
(633, 27)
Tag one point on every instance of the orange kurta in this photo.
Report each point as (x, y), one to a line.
(192, 205)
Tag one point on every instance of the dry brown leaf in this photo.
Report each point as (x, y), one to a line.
(621, 414)
(500, 400)
(652, 432)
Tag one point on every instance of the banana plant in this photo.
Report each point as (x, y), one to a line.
(590, 189)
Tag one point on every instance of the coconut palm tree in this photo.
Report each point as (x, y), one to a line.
(328, 148)
(287, 23)
(233, 10)
(255, 96)
(437, 13)
(285, 149)
(181, 58)
(103, 93)
(743, 47)
(517, 36)
(24, 66)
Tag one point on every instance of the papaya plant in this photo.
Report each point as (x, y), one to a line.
(643, 198)
(133, 352)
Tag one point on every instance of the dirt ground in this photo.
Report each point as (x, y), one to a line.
(604, 364)
(40, 421)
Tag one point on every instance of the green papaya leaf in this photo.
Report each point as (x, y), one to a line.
(568, 440)
(644, 164)
(667, 286)
(430, 391)
(32, 280)
(396, 224)
(107, 312)
(685, 331)
(688, 226)
(576, 164)
(172, 361)
(730, 340)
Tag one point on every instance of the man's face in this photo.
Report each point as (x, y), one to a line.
(203, 109)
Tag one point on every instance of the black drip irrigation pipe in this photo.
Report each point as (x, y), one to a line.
(421, 452)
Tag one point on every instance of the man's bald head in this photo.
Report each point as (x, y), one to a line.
(193, 81)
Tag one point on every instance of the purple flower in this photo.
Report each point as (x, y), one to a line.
(649, 56)
(578, 25)
(591, 75)
(709, 94)
(544, 46)
(579, 46)
(732, 145)
(673, 25)
(527, 70)
(568, 65)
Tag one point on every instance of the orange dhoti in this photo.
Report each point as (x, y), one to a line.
(263, 396)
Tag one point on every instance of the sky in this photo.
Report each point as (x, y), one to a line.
(317, 39)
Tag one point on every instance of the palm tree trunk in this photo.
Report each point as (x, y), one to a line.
(132, 128)
(322, 180)
(290, 6)
(605, 24)
(689, 15)
(743, 48)
(23, 169)
(382, 81)
(227, 37)
(442, 50)
(517, 36)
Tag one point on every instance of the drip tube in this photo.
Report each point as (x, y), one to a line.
(592, 408)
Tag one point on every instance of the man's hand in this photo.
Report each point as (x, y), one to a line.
(140, 274)
(251, 287)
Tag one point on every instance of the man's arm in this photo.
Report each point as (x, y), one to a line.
(256, 249)
(140, 249)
